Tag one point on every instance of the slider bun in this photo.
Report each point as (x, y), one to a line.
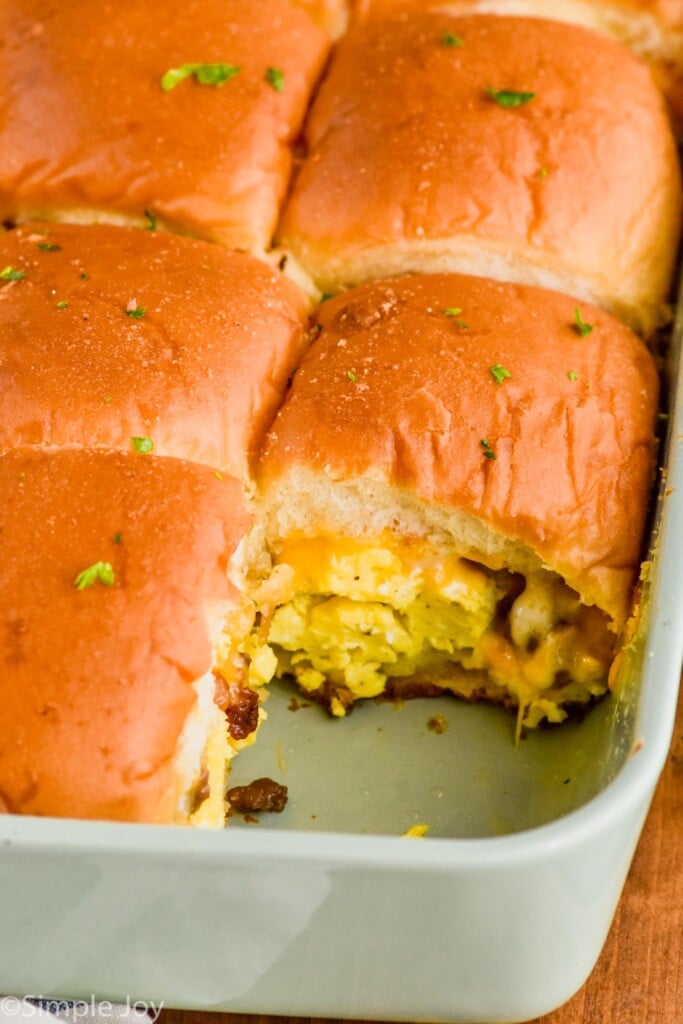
(97, 684)
(383, 429)
(652, 29)
(413, 166)
(87, 132)
(201, 372)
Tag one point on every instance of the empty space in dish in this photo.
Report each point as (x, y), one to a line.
(383, 770)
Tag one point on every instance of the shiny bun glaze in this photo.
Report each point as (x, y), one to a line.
(397, 391)
(96, 682)
(414, 166)
(88, 133)
(201, 372)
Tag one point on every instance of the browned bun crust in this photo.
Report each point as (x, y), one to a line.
(88, 133)
(652, 29)
(96, 682)
(331, 14)
(413, 166)
(398, 394)
(202, 372)
(668, 12)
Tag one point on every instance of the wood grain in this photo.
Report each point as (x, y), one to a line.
(639, 976)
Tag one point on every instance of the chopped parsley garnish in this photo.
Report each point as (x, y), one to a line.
(454, 312)
(351, 375)
(276, 78)
(137, 312)
(10, 274)
(573, 375)
(205, 74)
(488, 450)
(100, 572)
(448, 39)
(325, 297)
(142, 445)
(580, 324)
(49, 247)
(499, 373)
(509, 98)
(118, 538)
(151, 221)
(107, 399)
(543, 172)
(63, 304)
(85, 277)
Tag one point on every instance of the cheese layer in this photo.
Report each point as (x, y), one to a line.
(361, 616)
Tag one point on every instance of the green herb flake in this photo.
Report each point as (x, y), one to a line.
(351, 375)
(580, 324)
(151, 221)
(487, 449)
(63, 304)
(49, 247)
(118, 538)
(205, 74)
(142, 445)
(275, 77)
(573, 375)
(137, 312)
(509, 98)
(454, 312)
(85, 277)
(449, 39)
(325, 297)
(100, 572)
(10, 274)
(499, 373)
(543, 172)
(107, 399)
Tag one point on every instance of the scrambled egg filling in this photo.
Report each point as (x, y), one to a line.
(361, 616)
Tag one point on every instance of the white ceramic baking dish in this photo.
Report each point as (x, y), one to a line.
(498, 915)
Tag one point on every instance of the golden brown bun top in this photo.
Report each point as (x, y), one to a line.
(201, 372)
(396, 389)
(86, 125)
(331, 14)
(408, 146)
(96, 682)
(669, 12)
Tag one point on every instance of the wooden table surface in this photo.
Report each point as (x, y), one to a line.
(639, 977)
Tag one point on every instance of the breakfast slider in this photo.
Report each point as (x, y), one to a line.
(123, 688)
(182, 116)
(455, 493)
(515, 148)
(114, 337)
